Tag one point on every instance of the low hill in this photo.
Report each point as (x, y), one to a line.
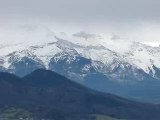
(46, 94)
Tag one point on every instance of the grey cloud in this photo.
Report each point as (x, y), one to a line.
(115, 37)
(84, 35)
(82, 9)
(135, 19)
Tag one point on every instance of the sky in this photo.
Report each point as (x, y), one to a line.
(137, 20)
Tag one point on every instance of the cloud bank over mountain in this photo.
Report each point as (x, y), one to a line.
(136, 20)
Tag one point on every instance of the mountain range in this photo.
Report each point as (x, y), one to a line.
(129, 69)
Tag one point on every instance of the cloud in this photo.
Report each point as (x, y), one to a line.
(134, 19)
(88, 10)
(84, 35)
(115, 37)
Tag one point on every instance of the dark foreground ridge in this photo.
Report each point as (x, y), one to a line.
(46, 94)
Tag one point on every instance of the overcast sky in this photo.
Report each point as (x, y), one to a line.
(82, 9)
(138, 19)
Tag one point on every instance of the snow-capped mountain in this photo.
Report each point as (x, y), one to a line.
(83, 57)
(105, 55)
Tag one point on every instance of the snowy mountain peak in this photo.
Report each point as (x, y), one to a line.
(43, 45)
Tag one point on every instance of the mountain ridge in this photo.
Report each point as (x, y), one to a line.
(49, 95)
(131, 65)
(60, 45)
